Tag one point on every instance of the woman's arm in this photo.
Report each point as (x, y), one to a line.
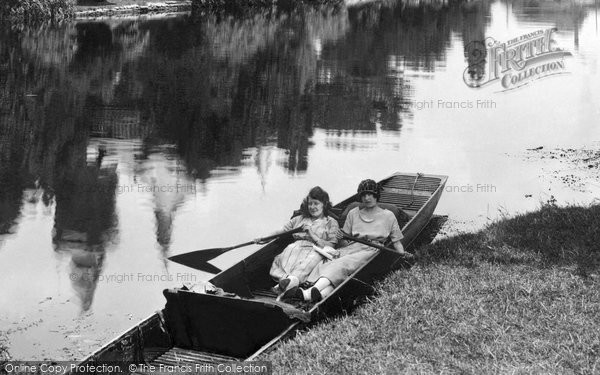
(296, 222)
(259, 240)
(292, 224)
(320, 241)
(396, 235)
(329, 236)
(342, 242)
(399, 247)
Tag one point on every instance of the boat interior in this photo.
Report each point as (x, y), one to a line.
(403, 194)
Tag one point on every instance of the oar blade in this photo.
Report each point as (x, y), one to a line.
(199, 259)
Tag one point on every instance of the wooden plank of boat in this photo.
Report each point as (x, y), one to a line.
(240, 326)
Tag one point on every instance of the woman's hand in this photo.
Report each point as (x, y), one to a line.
(299, 236)
(341, 237)
(331, 251)
(313, 236)
(399, 248)
(302, 235)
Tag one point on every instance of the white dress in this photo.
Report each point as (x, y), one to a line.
(299, 258)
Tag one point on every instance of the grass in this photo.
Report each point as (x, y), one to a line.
(520, 296)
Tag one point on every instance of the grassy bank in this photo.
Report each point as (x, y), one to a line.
(520, 296)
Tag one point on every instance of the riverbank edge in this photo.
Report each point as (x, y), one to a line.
(158, 8)
(520, 295)
(132, 10)
(167, 8)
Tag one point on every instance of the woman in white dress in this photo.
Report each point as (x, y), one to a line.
(296, 262)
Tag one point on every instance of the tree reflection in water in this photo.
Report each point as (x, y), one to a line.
(85, 219)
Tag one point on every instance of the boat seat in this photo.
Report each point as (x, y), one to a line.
(401, 216)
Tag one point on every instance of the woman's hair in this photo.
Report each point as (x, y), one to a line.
(320, 195)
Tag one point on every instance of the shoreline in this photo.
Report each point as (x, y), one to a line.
(132, 8)
(162, 8)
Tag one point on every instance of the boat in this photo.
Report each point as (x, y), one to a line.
(244, 319)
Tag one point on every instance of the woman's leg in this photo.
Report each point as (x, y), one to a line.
(320, 290)
(333, 273)
(326, 291)
(297, 259)
(322, 283)
(338, 270)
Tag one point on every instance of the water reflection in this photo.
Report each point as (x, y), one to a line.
(473, 24)
(196, 93)
(11, 190)
(85, 219)
(213, 93)
(239, 92)
(159, 172)
(564, 15)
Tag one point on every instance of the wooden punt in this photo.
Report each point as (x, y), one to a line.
(198, 328)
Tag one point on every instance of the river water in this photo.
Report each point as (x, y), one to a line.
(123, 142)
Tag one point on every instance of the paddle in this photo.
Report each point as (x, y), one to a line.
(198, 259)
(371, 243)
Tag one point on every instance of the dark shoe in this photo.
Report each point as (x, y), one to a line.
(315, 295)
(283, 284)
(307, 285)
(292, 293)
(289, 282)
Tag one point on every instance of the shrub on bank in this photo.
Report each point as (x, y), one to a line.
(36, 10)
